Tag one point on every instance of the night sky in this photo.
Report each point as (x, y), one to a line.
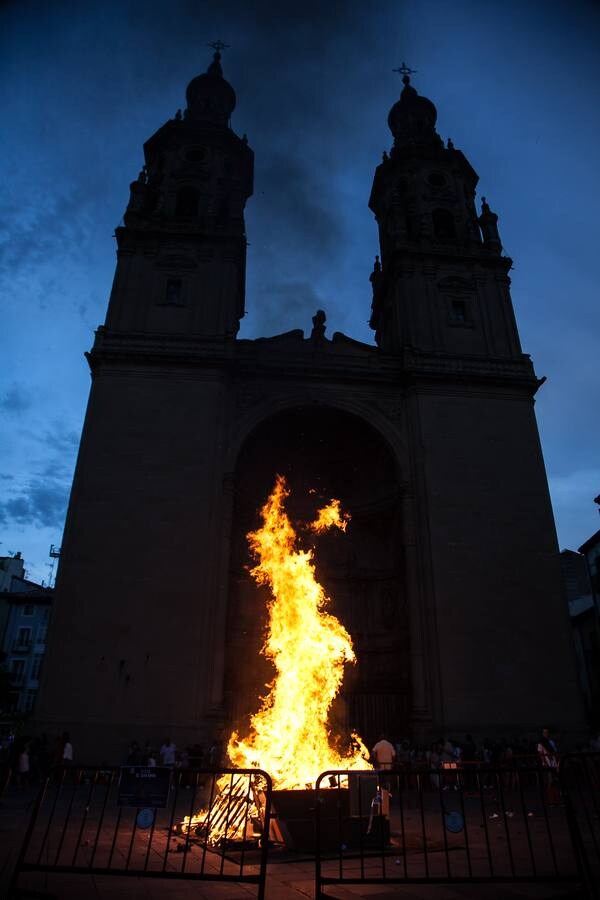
(84, 84)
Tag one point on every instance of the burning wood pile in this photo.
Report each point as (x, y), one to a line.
(289, 736)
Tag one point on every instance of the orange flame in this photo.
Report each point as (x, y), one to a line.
(289, 736)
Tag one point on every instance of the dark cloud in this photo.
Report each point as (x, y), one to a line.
(293, 210)
(40, 501)
(16, 399)
(292, 303)
(56, 470)
(60, 439)
(42, 229)
(42, 504)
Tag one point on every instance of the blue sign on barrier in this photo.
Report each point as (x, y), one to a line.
(144, 786)
(454, 821)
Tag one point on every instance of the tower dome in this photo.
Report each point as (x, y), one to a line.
(412, 119)
(210, 98)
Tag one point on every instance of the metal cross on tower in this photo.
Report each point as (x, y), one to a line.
(405, 70)
(219, 45)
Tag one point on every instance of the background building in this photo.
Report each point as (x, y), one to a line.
(448, 577)
(585, 622)
(590, 550)
(581, 580)
(25, 609)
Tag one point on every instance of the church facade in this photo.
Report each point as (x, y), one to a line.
(448, 576)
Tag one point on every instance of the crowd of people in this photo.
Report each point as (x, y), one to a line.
(505, 753)
(168, 754)
(30, 759)
(450, 764)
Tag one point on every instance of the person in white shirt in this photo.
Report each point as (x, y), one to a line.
(67, 750)
(24, 766)
(168, 752)
(383, 753)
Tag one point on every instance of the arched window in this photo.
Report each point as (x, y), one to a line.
(186, 206)
(443, 225)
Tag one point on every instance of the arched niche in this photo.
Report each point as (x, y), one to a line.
(324, 453)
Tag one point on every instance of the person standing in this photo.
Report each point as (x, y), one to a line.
(383, 753)
(149, 755)
(548, 755)
(24, 766)
(134, 755)
(168, 753)
(67, 750)
(547, 750)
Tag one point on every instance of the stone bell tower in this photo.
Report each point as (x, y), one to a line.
(135, 612)
(442, 285)
(182, 251)
(486, 541)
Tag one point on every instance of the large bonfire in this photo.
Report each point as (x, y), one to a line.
(289, 736)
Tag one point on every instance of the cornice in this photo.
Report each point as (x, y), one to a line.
(295, 358)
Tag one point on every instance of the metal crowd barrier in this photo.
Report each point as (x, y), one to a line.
(448, 825)
(131, 821)
(579, 775)
(5, 776)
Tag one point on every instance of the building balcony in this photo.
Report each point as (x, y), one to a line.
(21, 646)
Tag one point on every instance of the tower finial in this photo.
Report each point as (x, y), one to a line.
(209, 96)
(405, 71)
(215, 66)
(218, 46)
